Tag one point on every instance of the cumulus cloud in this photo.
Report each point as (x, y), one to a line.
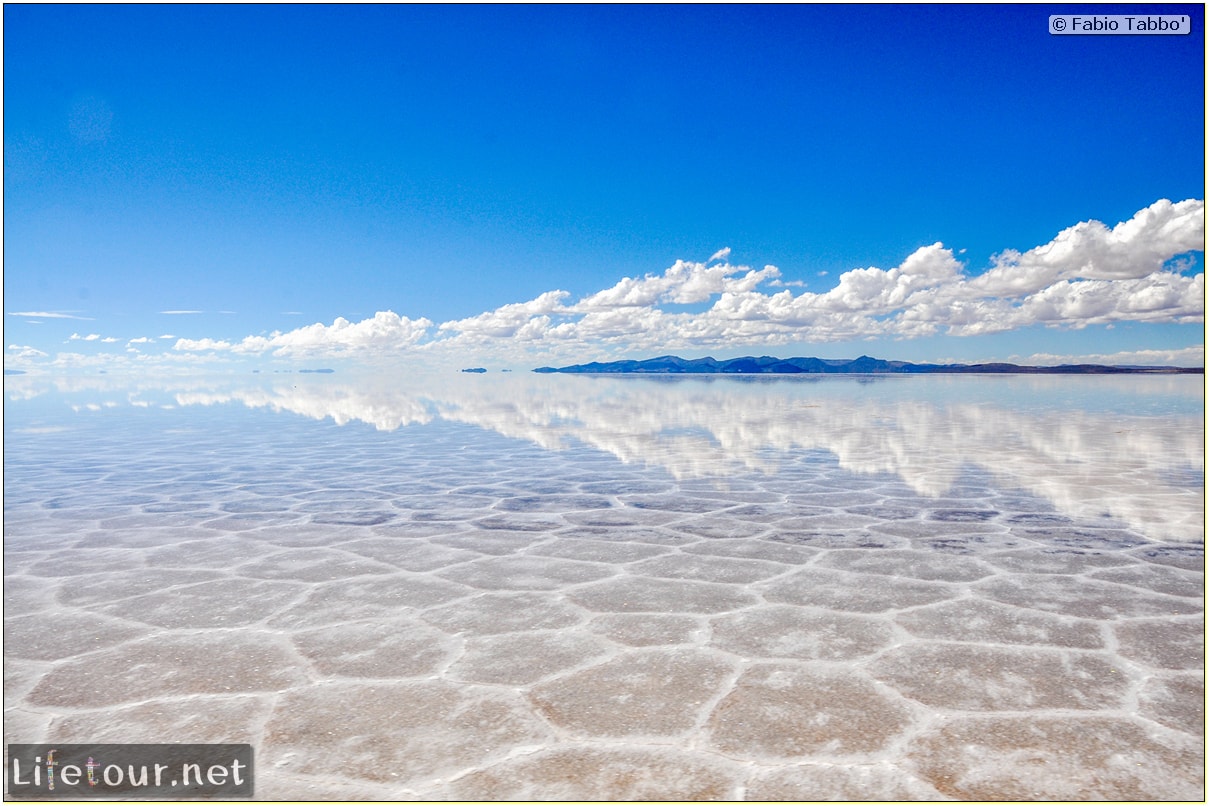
(1089, 250)
(1160, 297)
(1088, 274)
(520, 320)
(385, 331)
(685, 283)
(23, 351)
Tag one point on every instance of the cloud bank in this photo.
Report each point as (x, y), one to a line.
(386, 331)
(1088, 274)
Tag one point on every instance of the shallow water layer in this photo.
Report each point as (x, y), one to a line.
(618, 588)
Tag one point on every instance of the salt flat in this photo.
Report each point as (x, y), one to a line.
(588, 588)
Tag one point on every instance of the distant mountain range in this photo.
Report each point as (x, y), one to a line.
(768, 365)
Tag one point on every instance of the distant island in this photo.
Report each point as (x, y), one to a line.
(768, 365)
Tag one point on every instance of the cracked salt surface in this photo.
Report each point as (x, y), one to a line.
(570, 588)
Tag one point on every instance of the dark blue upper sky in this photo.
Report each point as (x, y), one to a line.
(292, 164)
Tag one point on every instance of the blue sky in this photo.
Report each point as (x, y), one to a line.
(525, 185)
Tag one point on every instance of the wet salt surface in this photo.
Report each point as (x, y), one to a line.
(621, 590)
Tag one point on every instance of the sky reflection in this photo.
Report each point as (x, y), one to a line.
(1131, 448)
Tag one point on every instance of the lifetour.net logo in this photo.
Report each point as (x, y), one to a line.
(126, 771)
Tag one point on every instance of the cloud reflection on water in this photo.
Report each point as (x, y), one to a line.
(1131, 446)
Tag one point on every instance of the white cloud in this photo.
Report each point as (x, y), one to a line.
(874, 291)
(518, 319)
(23, 352)
(198, 345)
(89, 337)
(79, 360)
(1132, 249)
(385, 331)
(1162, 297)
(49, 315)
(180, 313)
(685, 283)
(1088, 274)
(1193, 356)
